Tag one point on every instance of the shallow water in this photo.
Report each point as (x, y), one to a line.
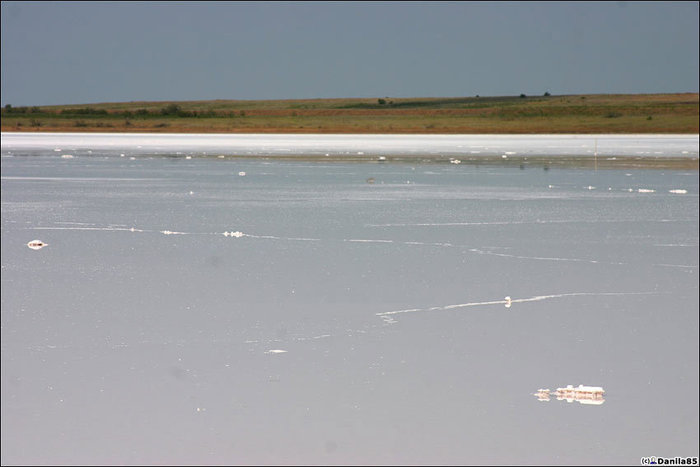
(145, 332)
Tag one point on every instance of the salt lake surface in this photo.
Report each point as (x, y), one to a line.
(247, 311)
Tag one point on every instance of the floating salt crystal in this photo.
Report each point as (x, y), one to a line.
(236, 234)
(241, 174)
(36, 244)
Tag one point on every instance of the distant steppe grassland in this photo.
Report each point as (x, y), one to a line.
(604, 113)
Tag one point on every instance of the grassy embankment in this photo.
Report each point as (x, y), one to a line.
(633, 113)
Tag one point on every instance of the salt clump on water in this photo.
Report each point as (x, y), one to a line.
(36, 244)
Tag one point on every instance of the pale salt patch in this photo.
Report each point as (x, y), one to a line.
(504, 156)
(58, 149)
(241, 174)
(220, 157)
(188, 157)
(680, 192)
(645, 190)
(67, 156)
(275, 351)
(234, 234)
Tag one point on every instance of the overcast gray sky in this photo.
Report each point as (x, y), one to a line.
(85, 52)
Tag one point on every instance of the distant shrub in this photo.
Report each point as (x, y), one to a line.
(381, 101)
(35, 122)
(547, 94)
(613, 115)
(523, 96)
(80, 123)
(649, 117)
(171, 109)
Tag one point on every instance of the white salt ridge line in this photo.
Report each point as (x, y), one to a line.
(545, 258)
(676, 244)
(322, 336)
(563, 221)
(684, 266)
(368, 241)
(272, 237)
(111, 229)
(679, 192)
(505, 302)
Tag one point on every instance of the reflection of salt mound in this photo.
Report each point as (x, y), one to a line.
(36, 244)
(509, 302)
(236, 234)
(588, 395)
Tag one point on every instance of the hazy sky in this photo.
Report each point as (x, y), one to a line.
(84, 52)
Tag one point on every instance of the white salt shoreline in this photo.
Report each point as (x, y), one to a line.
(577, 145)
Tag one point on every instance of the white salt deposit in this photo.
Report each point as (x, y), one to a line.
(36, 244)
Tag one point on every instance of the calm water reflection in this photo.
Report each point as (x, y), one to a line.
(183, 313)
